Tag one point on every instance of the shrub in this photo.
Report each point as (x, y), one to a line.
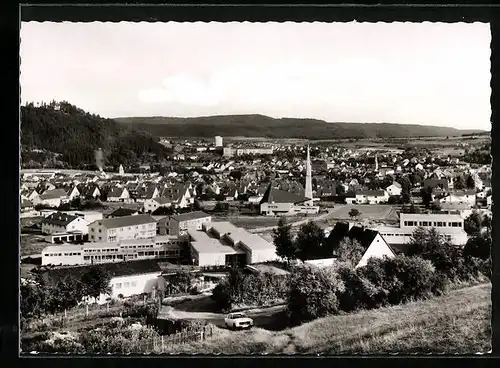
(402, 278)
(359, 292)
(313, 294)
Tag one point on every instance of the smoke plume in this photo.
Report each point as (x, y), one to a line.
(99, 161)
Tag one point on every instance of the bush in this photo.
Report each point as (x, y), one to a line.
(402, 279)
(313, 294)
(359, 292)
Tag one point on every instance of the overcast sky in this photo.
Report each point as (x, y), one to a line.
(411, 73)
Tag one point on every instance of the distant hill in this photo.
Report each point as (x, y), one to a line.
(265, 126)
(72, 135)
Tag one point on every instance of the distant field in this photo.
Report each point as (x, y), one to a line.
(456, 323)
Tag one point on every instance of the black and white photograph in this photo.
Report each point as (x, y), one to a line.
(243, 188)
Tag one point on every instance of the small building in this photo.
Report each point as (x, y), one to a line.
(394, 189)
(127, 278)
(53, 198)
(59, 222)
(119, 195)
(371, 196)
(122, 212)
(179, 224)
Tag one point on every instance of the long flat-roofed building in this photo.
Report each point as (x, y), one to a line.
(449, 225)
(122, 228)
(165, 247)
(224, 244)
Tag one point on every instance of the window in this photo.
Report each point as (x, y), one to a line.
(133, 283)
(118, 285)
(91, 236)
(126, 284)
(406, 223)
(100, 238)
(92, 229)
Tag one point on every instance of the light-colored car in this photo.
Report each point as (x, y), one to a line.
(238, 320)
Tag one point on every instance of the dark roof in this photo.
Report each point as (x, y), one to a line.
(115, 269)
(280, 196)
(341, 229)
(116, 192)
(190, 216)
(59, 219)
(54, 193)
(436, 182)
(121, 212)
(126, 221)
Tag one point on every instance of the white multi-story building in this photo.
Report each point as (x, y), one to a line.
(122, 228)
(218, 141)
(165, 247)
(449, 225)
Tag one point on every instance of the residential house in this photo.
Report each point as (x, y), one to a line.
(394, 189)
(53, 197)
(121, 228)
(127, 278)
(281, 202)
(179, 224)
(436, 183)
(460, 196)
(119, 195)
(121, 212)
(371, 196)
(59, 222)
(89, 190)
(153, 204)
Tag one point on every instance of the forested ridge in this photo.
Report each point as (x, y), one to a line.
(265, 126)
(62, 132)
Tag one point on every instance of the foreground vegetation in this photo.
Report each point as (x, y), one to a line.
(455, 323)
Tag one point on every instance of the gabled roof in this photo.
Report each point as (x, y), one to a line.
(116, 192)
(121, 212)
(126, 221)
(280, 196)
(371, 192)
(115, 269)
(59, 219)
(26, 203)
(190, 216)
(53, 194)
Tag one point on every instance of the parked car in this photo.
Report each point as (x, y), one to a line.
(238, 320)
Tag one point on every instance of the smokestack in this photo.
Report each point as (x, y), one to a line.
(99, 159)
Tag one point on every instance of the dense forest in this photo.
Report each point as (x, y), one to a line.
(264, 126)
(59, 132)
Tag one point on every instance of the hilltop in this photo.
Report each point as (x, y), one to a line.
(265, 126)
(65, 134)
(458, 322)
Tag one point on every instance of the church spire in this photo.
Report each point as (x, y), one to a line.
(308, 190)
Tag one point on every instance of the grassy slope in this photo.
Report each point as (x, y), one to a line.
(458, 322)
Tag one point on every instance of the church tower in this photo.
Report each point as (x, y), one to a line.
(308, 189)
(376, 162)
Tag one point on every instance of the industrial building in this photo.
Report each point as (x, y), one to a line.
(224, 244)
(451, 226)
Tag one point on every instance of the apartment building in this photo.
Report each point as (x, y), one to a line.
(122, 228)
(163, 247)
(59, 222)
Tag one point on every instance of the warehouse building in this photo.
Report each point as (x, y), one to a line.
(224, 244)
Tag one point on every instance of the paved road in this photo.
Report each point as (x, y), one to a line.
(203, 308)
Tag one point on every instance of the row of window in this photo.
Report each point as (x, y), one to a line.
(432, 223)
(101, 257)
(101, 250)
(118, 285)
(396, 235)
(62, 254)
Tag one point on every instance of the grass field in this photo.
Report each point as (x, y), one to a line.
(456, 323)
(368, 211)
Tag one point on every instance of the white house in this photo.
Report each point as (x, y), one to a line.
(53, 198)
(73, 193)
(127, 278)
(394, 189)
(153, 204)
(460, 196)
(62, 223)
(372, 196)
(119, 195)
